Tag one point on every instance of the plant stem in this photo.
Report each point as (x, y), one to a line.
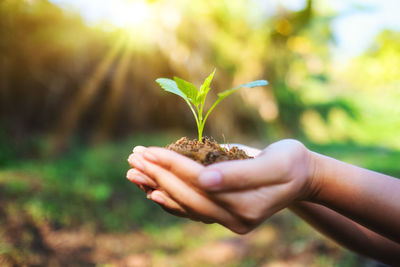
(194, 112)
(203, 122)
(200, 127)
(200, 134)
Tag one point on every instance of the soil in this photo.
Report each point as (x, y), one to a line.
(207, 151)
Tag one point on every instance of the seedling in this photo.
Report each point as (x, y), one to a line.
(196, 98)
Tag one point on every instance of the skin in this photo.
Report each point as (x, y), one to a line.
(356, 207)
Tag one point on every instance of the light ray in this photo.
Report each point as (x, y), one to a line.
(83, 97)
(115, 94)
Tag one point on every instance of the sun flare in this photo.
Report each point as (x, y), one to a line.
(129, 14)
(140, 19)
(123, 14)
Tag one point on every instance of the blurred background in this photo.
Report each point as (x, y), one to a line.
(77, 93)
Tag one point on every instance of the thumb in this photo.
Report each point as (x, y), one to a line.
(240, 174)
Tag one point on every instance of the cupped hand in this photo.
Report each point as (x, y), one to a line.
(237, 194)
(166, 185)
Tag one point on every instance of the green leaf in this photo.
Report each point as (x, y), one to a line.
(188, 89)
(224, 94)
(170, 86)
(205, 87)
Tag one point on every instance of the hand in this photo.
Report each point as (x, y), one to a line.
(249, 190)
(172, 193)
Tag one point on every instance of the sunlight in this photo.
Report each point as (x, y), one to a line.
(129, 14)
(114, 96)
(125, 14)
(142, 20)
(84, 97)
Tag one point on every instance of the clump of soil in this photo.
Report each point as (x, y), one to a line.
(206, 152)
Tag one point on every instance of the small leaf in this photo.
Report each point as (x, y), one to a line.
(225, 93)
(205, 87)
(253, 84)
(170, 86)
(188, 89)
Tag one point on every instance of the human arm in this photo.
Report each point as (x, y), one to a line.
(348, 233)
(372, 199)
(341, 229)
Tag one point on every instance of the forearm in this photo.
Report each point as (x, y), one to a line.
(369, 198)
(348, 233)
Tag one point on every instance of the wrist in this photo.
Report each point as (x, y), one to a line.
(302, 171)
(313, 179)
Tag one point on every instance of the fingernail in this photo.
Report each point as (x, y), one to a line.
(210, 179)
(138, 149)
(137, 179)
(137, 163)
(149, 156)
(157, 198)
(131, 173)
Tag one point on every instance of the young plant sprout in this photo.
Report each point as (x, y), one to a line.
(196, 98)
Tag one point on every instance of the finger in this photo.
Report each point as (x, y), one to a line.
(239, 203)
(139, 178)
(145, 189)
(175, 213)
(171, 206)
(130, 159)
(240, 174)
(138, 149)
(183, 167)
(189, 199)
(164, 200)
(136, 174)
(168, 203)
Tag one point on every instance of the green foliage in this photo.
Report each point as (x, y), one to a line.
(196, 98)
(85, 186)
(7, 154)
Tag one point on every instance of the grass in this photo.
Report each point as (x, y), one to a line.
(86, 186)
